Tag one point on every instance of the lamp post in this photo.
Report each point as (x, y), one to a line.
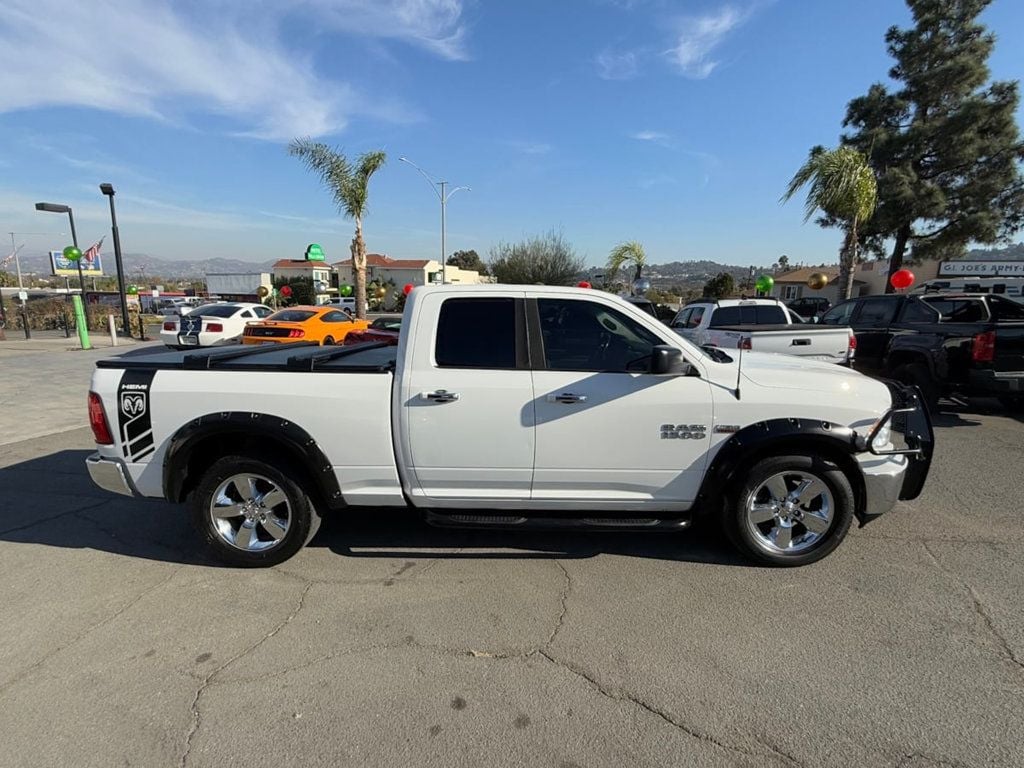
(108, 190)
(58, 208)
(444, 196)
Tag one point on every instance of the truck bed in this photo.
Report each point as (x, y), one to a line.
(373, 357)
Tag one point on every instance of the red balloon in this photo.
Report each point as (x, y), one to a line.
(901, 279)
(583, 284)
(286, 291)
(408, 288)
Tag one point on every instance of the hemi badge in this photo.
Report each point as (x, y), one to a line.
(727, 428)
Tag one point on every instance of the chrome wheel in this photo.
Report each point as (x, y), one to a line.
(790, 512)
(250, 512)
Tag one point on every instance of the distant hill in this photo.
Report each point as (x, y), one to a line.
(1009, 253)
(138, 264)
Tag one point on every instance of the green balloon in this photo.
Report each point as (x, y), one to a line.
(132, 289)
(764, 283)
(345, 290)
(72, 254)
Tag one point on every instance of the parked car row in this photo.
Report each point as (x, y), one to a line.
(761, 325)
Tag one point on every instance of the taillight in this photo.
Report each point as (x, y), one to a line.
(744, 343)
(295, 333)
(983, 348)
(98, 421)
(170, 326)
(853, 342)
(214, 327)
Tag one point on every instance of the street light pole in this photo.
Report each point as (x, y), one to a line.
(74, 242)
(108, 190)
(444, 197)
(59, 208)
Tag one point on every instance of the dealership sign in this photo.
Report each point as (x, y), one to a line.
(91, 264)
(981, 269)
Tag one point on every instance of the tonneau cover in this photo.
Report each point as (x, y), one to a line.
(372, 357)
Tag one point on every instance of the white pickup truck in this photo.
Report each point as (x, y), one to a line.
(762, 325)
(509, 406)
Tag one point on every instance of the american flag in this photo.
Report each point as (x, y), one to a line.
(93, 253)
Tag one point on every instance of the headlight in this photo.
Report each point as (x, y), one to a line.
(882, 439)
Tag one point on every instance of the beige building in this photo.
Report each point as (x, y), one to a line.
(403, 272)
(869, 279)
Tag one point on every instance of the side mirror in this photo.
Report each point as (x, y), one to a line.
(668, 360)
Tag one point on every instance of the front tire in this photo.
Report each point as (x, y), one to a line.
(251, 514)
(329, 341)
(790, 510)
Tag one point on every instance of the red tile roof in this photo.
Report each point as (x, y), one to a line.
(380, 260)
(299, 263)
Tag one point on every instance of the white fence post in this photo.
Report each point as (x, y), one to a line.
(113, 330)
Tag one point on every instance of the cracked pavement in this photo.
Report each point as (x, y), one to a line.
(386, 642)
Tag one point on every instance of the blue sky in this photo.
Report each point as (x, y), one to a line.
(674, 123)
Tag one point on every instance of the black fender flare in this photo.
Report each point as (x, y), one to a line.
(300, 445)
(781, 436)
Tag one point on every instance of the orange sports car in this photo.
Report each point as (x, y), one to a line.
(325, 325)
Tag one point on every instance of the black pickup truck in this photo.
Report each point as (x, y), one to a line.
(967, 344)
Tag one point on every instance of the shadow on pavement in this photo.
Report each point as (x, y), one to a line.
(958, 412)
(51, 500)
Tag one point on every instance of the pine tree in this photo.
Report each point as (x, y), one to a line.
(945, 146)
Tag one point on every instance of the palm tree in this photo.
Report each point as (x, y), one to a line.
(842, 186)
(626, 253)
(349, 185)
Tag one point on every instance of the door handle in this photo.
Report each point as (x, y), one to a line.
(440, 396)
(567, 398)
(800, 343)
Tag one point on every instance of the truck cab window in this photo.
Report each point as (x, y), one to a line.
(588, 336)
(695, 317)
(959, 310)
(476, 333)
(839, 315)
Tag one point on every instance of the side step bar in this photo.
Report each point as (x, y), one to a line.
(554, 523)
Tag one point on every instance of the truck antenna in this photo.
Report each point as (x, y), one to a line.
(739, 369)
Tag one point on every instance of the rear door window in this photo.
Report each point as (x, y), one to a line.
(915, 311)
(476, 333)
(876, 312)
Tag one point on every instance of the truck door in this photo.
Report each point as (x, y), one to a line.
(466, 409)
(607, 430)
(871, 321)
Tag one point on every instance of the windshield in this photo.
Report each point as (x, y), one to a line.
(292, 315)
(216, 310)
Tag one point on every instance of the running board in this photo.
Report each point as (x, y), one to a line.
(536, 522)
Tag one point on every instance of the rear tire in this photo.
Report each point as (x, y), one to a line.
(251, 514)
(769, 519)
(1012, 403)
(329, 341)
(919, 376)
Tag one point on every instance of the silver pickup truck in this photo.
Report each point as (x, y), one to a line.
(762, 325)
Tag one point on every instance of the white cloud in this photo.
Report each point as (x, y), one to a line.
(624, 65)
(433, 24)
(149, 58)
(655, 136)
(698, 39)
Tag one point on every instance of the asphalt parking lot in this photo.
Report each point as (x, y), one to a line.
(390, 643)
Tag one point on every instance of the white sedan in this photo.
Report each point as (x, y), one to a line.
(211, 324)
